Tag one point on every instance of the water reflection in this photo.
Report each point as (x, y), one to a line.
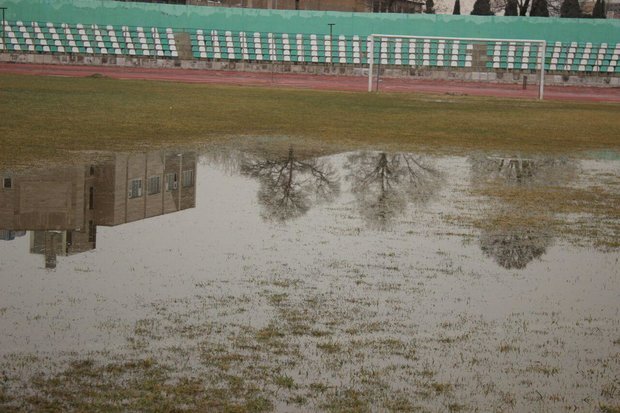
(215, 294)
(384, 183)
(516, 247)
(290, 185)
(510, 239)
(521, 171)
(11, 235)
(62, 206)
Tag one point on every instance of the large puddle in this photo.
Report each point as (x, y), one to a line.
(261, 279)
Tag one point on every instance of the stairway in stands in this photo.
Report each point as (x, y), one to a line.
(184, 45)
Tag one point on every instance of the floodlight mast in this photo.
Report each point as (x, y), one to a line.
(540, 60)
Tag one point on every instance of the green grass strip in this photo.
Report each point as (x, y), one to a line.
(45, 116)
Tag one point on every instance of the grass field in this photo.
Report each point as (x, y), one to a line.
(45, 116)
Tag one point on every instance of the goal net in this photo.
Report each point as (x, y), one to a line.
(481, 59)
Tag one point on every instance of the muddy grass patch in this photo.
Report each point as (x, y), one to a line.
(136, 385)
(536, 215)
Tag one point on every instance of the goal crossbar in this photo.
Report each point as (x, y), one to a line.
(540, 61)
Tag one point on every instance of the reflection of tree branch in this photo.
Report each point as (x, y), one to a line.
(325, 182)
(384, 184)
(288, 183)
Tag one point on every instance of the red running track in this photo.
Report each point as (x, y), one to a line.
(322, 82)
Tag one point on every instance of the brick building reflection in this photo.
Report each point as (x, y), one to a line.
(62, 206)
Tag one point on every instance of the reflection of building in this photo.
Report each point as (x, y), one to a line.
(132, 187)
(52, 243)
(10, 235)
(63, 206)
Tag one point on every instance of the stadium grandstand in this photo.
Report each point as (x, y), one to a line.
(95, 32)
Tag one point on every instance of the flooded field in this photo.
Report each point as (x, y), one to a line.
(266, 277)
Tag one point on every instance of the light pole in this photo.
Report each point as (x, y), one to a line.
(3, 31)
(331, 43)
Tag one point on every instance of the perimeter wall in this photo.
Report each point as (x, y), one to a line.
(291, 21)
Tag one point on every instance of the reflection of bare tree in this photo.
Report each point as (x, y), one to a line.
(522, 171)
(289, 186)
(383, 184)
(514, 248)
(518, 234)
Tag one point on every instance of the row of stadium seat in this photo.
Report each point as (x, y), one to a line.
(284, 47)
(89, 39)
(558, 56)
(510, 55)
(313, 48)
(583, 57)
(38, 37)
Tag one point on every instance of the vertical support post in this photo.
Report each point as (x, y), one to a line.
(371, 61)
(272, 59)
(379, 65)
(3, 30)
(331, 44)
(541, 83)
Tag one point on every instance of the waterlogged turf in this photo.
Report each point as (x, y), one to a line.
(272, 276)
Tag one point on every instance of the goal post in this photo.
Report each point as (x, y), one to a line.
(469, 53)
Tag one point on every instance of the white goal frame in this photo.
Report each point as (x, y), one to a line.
(540, 60)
